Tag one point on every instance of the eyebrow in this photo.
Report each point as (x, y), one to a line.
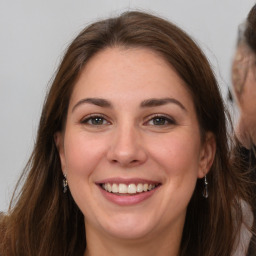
(95, 101)
(144, 104)
(160, 102)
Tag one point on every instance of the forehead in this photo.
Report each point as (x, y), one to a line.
(133, 72)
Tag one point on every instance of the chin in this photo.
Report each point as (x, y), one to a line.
(129, 228)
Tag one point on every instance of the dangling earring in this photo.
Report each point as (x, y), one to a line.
(205, 191)
(65, 184)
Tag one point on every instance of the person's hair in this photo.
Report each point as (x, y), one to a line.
(247, 36)
(250, 29)
(44, 221)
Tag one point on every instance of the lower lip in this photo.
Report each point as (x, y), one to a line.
(127, 200)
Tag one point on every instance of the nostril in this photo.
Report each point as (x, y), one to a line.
(126, 162)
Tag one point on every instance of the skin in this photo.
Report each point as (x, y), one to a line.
(130, 142)
(244, 83)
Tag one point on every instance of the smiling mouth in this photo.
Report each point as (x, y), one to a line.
(128, 189)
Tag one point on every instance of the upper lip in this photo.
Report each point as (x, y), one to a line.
(127, 181)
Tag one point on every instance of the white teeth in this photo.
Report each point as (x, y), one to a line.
(132, 189)
(115, 188)
(128, 189)
(140, 188)
(122, 189)
(109, 188)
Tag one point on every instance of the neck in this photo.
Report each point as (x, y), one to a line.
(164, 244)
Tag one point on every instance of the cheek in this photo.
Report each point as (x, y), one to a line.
(82, 153)
(248, 95)
(249, 100)
(179, 155)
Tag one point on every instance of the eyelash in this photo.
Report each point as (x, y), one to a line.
(163, 120)
(166, 119)
(89, 120)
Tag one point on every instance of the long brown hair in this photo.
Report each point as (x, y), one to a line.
(44, 221)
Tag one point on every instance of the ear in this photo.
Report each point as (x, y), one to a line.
(59, 142)
(207, 154)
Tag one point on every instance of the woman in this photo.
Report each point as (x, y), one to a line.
(244, 84)
(134, 128)
(243, 76)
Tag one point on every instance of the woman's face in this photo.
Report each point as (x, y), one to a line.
(244, 83)
(131, 147)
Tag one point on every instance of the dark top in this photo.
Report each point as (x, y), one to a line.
(249, 156)
(249, 159)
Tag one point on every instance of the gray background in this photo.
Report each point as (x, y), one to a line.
(34, 35)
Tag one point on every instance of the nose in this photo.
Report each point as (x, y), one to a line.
(127, 148)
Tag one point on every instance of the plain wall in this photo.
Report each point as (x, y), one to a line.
(34, 35)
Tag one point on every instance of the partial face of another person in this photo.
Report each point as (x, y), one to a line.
(244, 82)
(131, 147)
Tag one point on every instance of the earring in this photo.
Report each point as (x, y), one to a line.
(205, 191)
(65, 184)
